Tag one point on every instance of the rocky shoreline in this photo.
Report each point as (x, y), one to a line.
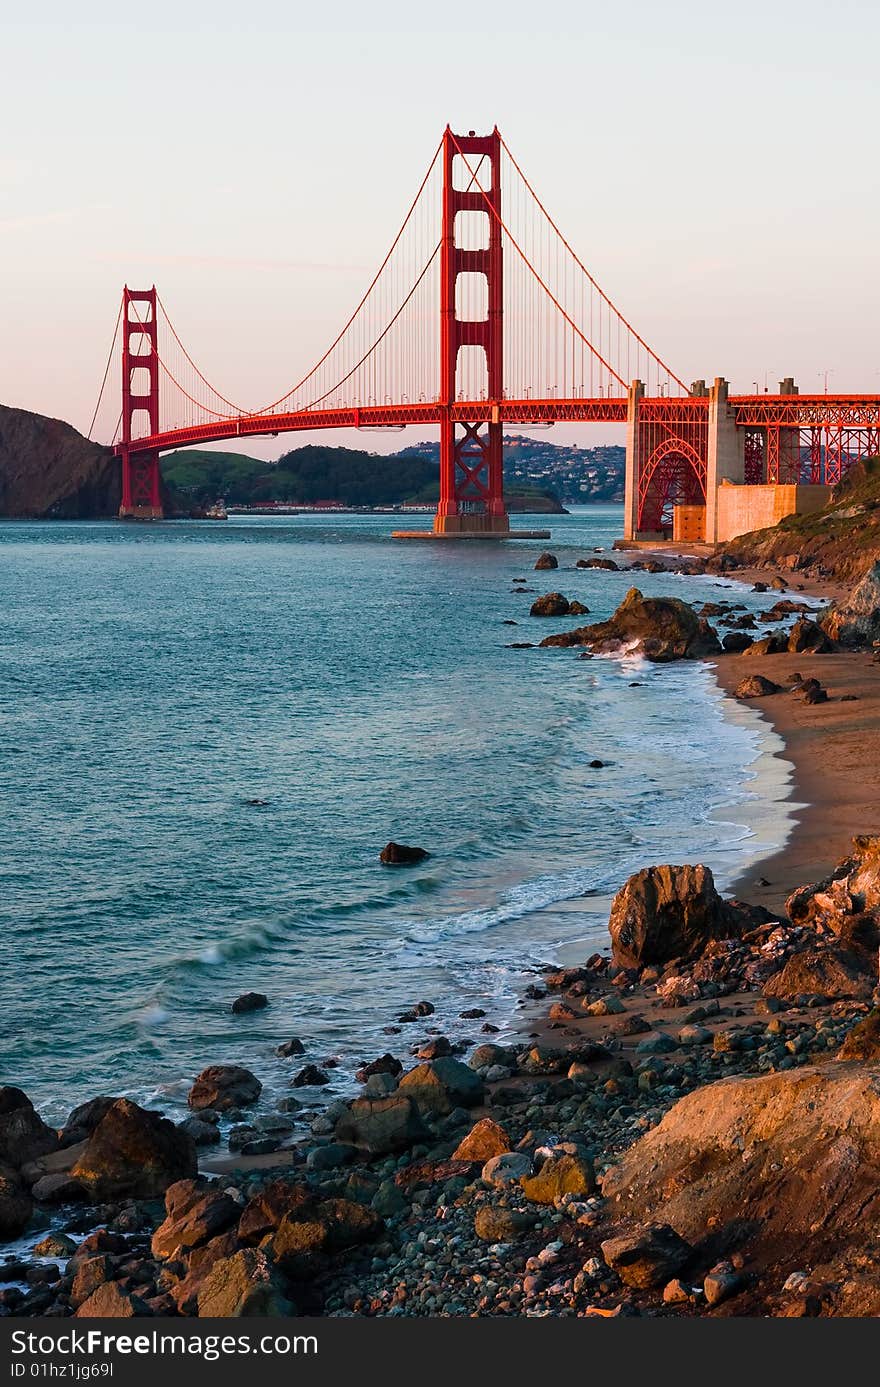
(689, 1126)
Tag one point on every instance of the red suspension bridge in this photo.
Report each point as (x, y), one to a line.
(481, 317)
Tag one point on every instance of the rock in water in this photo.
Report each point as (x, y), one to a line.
(667, 912)
(135, 1154)
(608, 564)
(24, 1136)
(249, 1001)
(310, 1077)
(857, 621)
(224, 1086)
(551, 604)
(660, 628)
(399, 855)
(84, 1119)
(546, 560)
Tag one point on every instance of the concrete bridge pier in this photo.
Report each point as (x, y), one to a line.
(725, 453)
(631, 473)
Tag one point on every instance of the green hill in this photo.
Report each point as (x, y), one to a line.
(303, 476)
(307, 475)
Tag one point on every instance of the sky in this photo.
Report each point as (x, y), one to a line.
(716, 167)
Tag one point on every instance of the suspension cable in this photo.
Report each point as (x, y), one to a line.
(547, 290)
(583, 267)
(293, 389)
(106, 370)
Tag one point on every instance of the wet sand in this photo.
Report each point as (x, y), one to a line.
(834, 748)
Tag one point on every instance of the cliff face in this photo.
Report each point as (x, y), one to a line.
(49, 470)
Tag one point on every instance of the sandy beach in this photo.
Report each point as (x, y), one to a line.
(834, 748)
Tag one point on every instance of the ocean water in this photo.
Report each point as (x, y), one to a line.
(209, 731)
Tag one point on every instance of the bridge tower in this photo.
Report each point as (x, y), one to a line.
(141, 493)
(471, 479)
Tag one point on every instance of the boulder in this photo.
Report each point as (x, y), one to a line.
(735, 642)
(133, 1153)
(755, 686)
(483, 1141)
(863, 1041)
(269, 1207)
(608, 564)
(385, 1064)
(249, 1001)
(852, 889)
(484, 1056)
(506, 1167)
(243, 1286)
(560, 1174)
(320, 1228)
(57, 1189)
(647, 1257)
(578, 609)
(196, 1265)
(659, 628)
(400, 855)
(667, 912)
(788, 1164)
(807, 636)
(111, 1302)
(202, 1133)
(831, 972)
(551, 604)
(857, 621)
(546, 561)
(24, 1136)
(224, 1086)
(91, 1272)
(381, 1125)
(310, 1077)
(287, 1048)
(440, 1085)
(767, 645)
(494, 1225)
(84, 1119)
(195, 1213)
(544, 1059)
(16, 1205)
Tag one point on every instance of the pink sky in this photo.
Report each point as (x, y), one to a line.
(716, 170)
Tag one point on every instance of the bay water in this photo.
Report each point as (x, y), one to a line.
(209, 730)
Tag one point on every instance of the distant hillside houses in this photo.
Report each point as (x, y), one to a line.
(576, 475)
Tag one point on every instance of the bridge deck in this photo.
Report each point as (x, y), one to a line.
(755, 411)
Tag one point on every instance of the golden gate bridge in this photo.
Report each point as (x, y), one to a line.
(480, 317)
